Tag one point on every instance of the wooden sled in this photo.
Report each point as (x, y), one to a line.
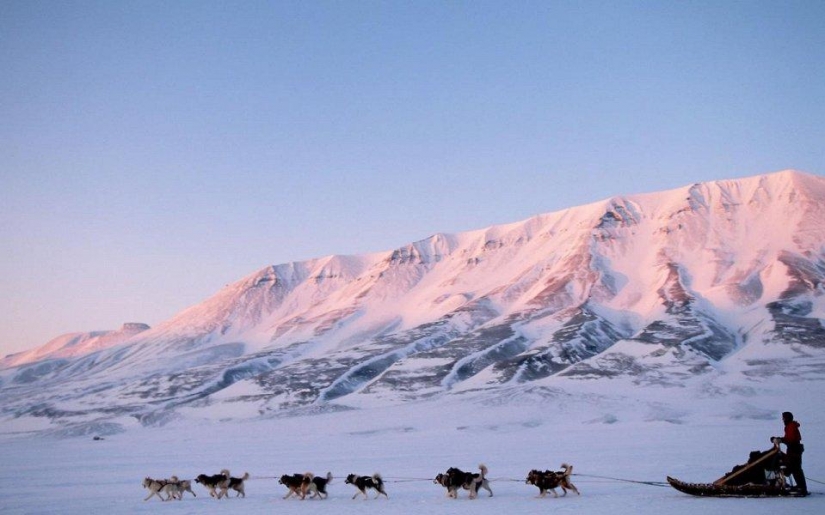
(731, 485)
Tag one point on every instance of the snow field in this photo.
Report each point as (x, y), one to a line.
(408, 445)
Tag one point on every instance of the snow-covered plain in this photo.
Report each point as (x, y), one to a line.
(624, 435)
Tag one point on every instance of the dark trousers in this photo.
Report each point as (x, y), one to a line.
(794, 467)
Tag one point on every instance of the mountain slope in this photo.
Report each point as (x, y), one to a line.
(73, 345)
(698, 284)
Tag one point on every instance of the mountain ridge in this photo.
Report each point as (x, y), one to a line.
(655, 287)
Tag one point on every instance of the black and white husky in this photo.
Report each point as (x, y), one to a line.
(363, 483)
(455, 479)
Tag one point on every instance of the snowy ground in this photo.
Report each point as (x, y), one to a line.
(409, 445)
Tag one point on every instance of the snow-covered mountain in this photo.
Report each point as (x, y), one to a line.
(710, 286)
(74, 345)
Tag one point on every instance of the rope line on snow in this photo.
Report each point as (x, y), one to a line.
(814, 480)
(649, 483)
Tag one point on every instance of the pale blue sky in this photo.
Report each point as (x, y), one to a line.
(152, 152)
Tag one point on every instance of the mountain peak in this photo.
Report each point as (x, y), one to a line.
(661, 288)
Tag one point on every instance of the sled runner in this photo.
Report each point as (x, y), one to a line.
(761, 476)
(714, 490)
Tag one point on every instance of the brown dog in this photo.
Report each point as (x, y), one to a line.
(550, 480)
(296, 485)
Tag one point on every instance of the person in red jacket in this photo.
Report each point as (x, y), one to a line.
(794, 450)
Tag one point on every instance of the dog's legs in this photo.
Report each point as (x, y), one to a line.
(473, 490)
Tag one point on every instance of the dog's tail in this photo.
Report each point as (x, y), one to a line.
(377, 478)
(483, 469)
(245, 476)
(568, 469)
(225, 472)
(308, 476)
(329, 477)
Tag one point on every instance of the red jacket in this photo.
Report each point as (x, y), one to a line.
(792, 434)
(792, 438)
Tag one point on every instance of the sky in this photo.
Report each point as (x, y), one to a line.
(153, 152)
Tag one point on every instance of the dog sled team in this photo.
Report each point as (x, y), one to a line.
(765, 475)
(312, 486)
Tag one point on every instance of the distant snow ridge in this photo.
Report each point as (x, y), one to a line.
(75, 344)
(671, 288)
